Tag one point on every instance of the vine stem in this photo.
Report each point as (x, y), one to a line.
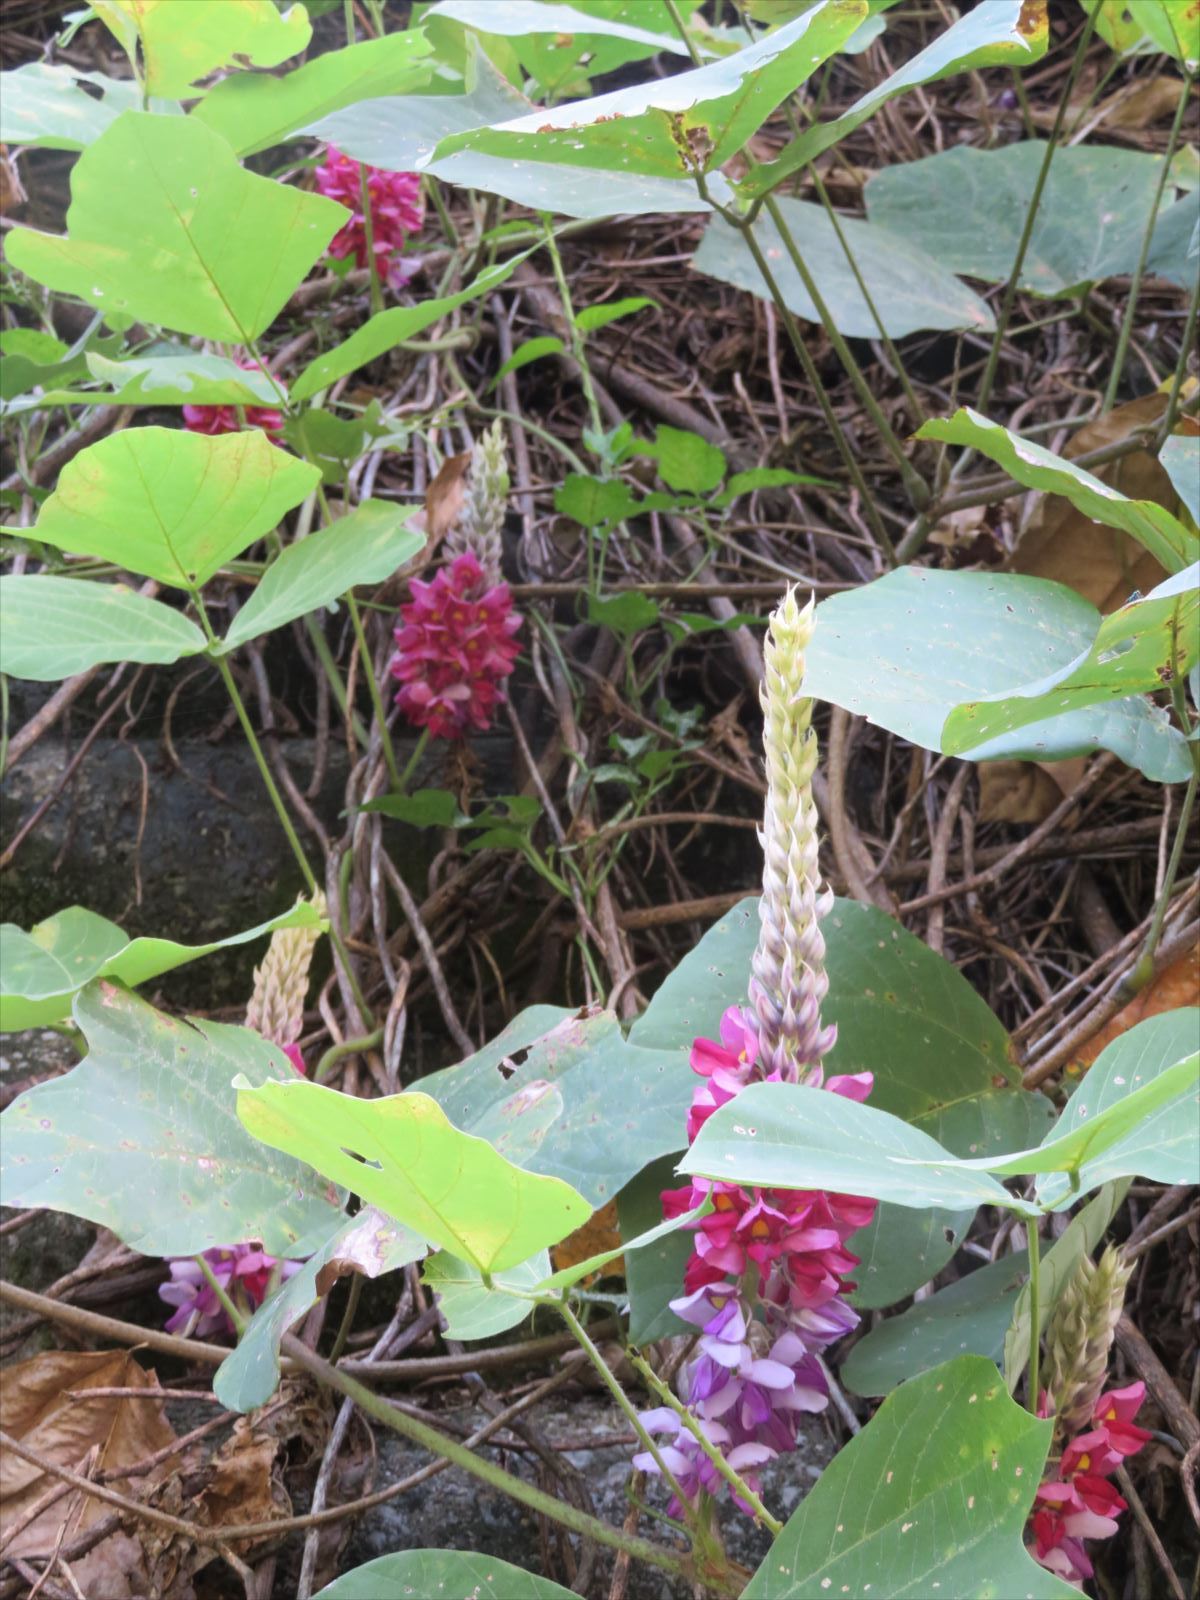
(364, 187)
(364, 650)
(438, 1444)
(1143, 970)
(577, 348)
(1035, 1335)
(1167, 425)
(222, 1294)
(1010, 293)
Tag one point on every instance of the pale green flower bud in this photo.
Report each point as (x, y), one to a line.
(480, 525)
(276, 1009)
(788, 981)
(1080, 1336)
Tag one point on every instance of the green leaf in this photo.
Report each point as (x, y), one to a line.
(141, 1137)
(968, 207)
(625, 614)
(45, 106)
(969, 1316)
(402, 1155)
(386, 329)
(1163, 1147)
(566, 1277)
(593, 501)
(592, 318)
(531, 350)
(787, 1136)
(686, 462)
(473, 1310)
(910, 288)
(254, 111)
(1145, 646)
(763, 478)
(929, 1500)
(424, 808)
(334, 443)
(165, 227)
(1164, 536)
(673, 127)
(618, 1107)
(1180, 457)
(441, 1572)
(367, 1244)
(1003, 33)
(179, 45)
(653, 1277)
(905, 650)
(51, 628)
(1057, 1269)
(192, 377)
(588, 192)
(366, 546)
(45, 968)
(941, 1059)
(170, 504)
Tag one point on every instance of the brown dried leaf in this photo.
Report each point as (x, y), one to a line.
(37, 1408)
(1177, 985)
(599, 1233)
(366, 1250)
(1026, 791)
(1147, 101)
(444, 498)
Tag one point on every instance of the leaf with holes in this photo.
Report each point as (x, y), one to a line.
(1164, 536)
(1147, 645)
(51, 628)
(402, 1155)
(158, 226)
(178, 45)
(47, 107)
(904, 650)
(929, 1500)
(170, 504)
(366, 546)
(174, 1173)
(45, 968)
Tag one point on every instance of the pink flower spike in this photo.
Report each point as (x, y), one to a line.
(1119, 1405)
(396, 211)
(215, 420)
(852, 1086)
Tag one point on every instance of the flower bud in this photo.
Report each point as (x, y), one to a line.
(479, 528)
(276, 1008)
(1080, 1336)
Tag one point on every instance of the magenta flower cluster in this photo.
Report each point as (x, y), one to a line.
(765, 1284)
(244, 1271)
(215, 420)
(1078, 1502)
(396, 212)
(455, 648)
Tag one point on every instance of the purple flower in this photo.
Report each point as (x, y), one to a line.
(245, 1273)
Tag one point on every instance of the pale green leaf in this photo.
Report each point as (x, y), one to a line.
(1144, 646)
(686, 462)
(256, 110)
(45, 968)
(170, 504)
(1002, 33)
(179, 44)
(591, 318)
(474, 1310)
(909, 287)
(1164, 536)
(928, 1501)
(443, 1573)
(165, 227)
(905, 650)
(402, 1155)
(530, 350)
(366, 546)
(174, 1172)
(1180, 457)
(45, 105)
(51, 628)
(192, 377)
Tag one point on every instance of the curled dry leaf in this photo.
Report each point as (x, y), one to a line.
(1175, 986)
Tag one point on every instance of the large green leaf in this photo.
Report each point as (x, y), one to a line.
(367, 1244)
(255, 110)
(402, 1155)
(190, 377)
(905, 650)
(444, 1573)
(472, 1309)
(575, 191)
(1165, 1146)
(581, 1103)
(1164, 536)
(969, 1316)
(52, 627)
(1003, 33)
(940, 1057)
(1146, 645)
(366, 546)
(929, 1500)
(170, 504)
(786, 1136)
(177, 45)
(142, 1137)
(45, 968)
(910, 289)
(165, 227)
(46, 106)
(1058, 1267)
(672, 127)
(387, 329)
(968, 207)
